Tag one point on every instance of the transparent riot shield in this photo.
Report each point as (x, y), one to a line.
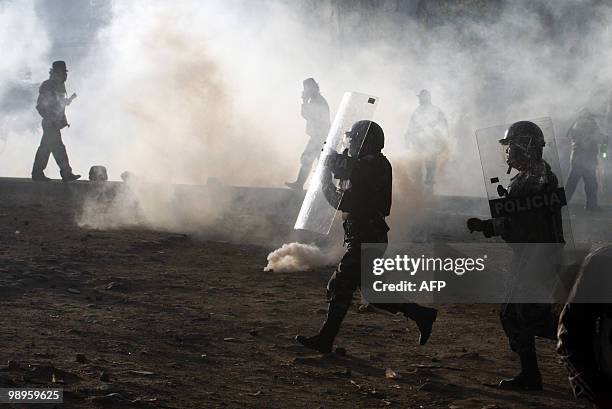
(496, 176)
(317, 214)
(532, 251)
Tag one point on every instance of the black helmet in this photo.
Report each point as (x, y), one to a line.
(525, 142)
(365, 137)
(524, 133)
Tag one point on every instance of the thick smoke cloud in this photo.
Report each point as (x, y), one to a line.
(181, 92)
(24, 44)
(299, 257)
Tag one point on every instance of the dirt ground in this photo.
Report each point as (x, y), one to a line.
(137, 318)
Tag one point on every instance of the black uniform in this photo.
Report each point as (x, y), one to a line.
(586, 137)
(51, 105)
(522, 322)
(365, 204)
(534, 265)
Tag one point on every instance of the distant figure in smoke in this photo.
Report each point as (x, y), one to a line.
(585, 331)
(365, 201)
(586, 137)
(315, 111)
(533, 267)
(51, 105)
(427, 135)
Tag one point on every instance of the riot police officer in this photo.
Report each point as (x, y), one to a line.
(522, 322)
(365, 201)
(51, 105)
(315, 111)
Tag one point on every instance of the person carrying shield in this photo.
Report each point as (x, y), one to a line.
(364, 198)
(522, 322)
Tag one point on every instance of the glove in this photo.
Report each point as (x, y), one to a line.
(484, 226)
(502, 191)
(475, 224)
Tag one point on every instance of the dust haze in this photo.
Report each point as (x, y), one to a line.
(193, 91)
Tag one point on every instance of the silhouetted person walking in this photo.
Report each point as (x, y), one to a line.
(51, 105)
(586, 137)
(315, 111)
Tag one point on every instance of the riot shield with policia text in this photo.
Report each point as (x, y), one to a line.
(512, 192)
(528, 207)
(317, 213)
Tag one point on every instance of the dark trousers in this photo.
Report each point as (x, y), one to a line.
(586, 172)
(346, 279)
(523, 322)
(51, 143)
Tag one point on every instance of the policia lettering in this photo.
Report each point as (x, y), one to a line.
(365, 200)
(528, 213)
(509, 205)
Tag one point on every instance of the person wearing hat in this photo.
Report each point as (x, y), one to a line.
(427, 136)
(315, 111)
(51, 105)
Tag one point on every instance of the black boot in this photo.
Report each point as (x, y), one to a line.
(324, 340)
(529, 379)
(301, 178)
(424, 317)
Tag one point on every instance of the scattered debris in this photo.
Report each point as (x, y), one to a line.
(391, 374)
(109, 399)
(254, 393)
(143, 373)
